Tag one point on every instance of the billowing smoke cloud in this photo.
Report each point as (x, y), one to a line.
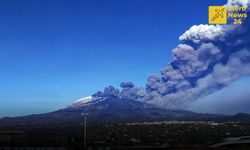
(109, 91)
(129, 91)
(209, 58)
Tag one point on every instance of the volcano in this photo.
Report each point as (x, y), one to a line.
(105, 110)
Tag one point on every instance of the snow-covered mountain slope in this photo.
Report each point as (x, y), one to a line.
(82, 101)
(89, 100)
(85, 99)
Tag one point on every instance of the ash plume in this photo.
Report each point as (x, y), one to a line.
(208, 58)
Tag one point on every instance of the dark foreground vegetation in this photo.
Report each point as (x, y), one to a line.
(153, 135)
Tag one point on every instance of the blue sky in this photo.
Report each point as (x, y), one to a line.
(53, 52)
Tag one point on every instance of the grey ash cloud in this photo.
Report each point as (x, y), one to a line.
(128, 91)
(208, 58)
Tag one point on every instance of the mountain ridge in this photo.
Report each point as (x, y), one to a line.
(111, 110)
